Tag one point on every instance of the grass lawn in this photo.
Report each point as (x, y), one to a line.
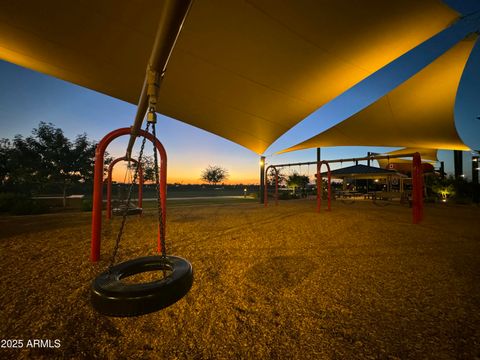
(284, 282)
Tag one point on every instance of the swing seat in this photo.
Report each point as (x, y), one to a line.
(112, 297)
(130, 211)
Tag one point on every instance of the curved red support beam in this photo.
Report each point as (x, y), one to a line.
(266, 185)
(417, 189)
(98, 182)
(109, 183)
(320, 185)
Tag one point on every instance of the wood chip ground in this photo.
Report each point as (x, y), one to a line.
(359, 282)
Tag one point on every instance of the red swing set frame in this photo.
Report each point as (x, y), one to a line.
(319, 185)
(98, 185)
(417, 181)
(109, 184)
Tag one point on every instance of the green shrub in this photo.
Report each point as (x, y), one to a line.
(430, 199)
(287, 195)
(462, 200)
(87, 205)
(26, 206)
(6, 201)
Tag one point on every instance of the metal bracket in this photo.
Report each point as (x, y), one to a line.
(152, 92)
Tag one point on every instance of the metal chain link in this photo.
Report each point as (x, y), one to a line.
(125, 211)
(159, 204)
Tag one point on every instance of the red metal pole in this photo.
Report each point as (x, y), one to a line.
(417, 191)
(98, 182)
(109, 184)
(265, 187)
(109, 193)
(163, 190)
(320, 186)
(97, 201)
(265, 193)
(140, 187)
(329, 189)
(276, 186)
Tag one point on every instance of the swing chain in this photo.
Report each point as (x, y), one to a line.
(159, 204)
(125, 210)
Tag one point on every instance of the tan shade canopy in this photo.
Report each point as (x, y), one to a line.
(245, 70)
(418, 113)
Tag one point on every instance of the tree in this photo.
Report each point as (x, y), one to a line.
(148, 165)
(271, 178)
(19, 165)
(47, 157)
(296, 180)
(214, 174)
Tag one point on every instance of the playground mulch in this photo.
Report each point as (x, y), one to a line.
(278, 283)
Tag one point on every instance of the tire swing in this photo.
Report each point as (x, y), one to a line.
(130, 209)
(112, 296)
(118, 206)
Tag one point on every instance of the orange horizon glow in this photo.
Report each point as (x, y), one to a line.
(184, 176)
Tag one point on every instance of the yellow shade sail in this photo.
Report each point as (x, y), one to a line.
(245, 70)
(418, 113)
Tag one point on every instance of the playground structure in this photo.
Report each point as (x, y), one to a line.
(109, 187)
(417, 180)
(98, 185)
(318, 181)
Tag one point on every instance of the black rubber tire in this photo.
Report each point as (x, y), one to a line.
(130, 211)
(110, 296)
(381, 202)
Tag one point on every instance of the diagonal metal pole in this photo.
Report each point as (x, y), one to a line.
(173, 15)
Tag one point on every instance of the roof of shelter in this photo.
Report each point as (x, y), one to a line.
(419, 113)
(361, 171)
(245, 70)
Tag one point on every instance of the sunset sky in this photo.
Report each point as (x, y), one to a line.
(27, 97)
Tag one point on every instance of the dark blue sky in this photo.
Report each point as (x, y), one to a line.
(27, 97)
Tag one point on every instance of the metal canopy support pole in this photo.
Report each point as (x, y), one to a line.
(417, 191)
(475, 168)
(262, 180)
(442, 170)
(458, 163)
(173, 15)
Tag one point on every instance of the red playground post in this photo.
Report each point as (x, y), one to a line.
(320, 185)
(417, 189)
(98, 185)
(266, 185)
